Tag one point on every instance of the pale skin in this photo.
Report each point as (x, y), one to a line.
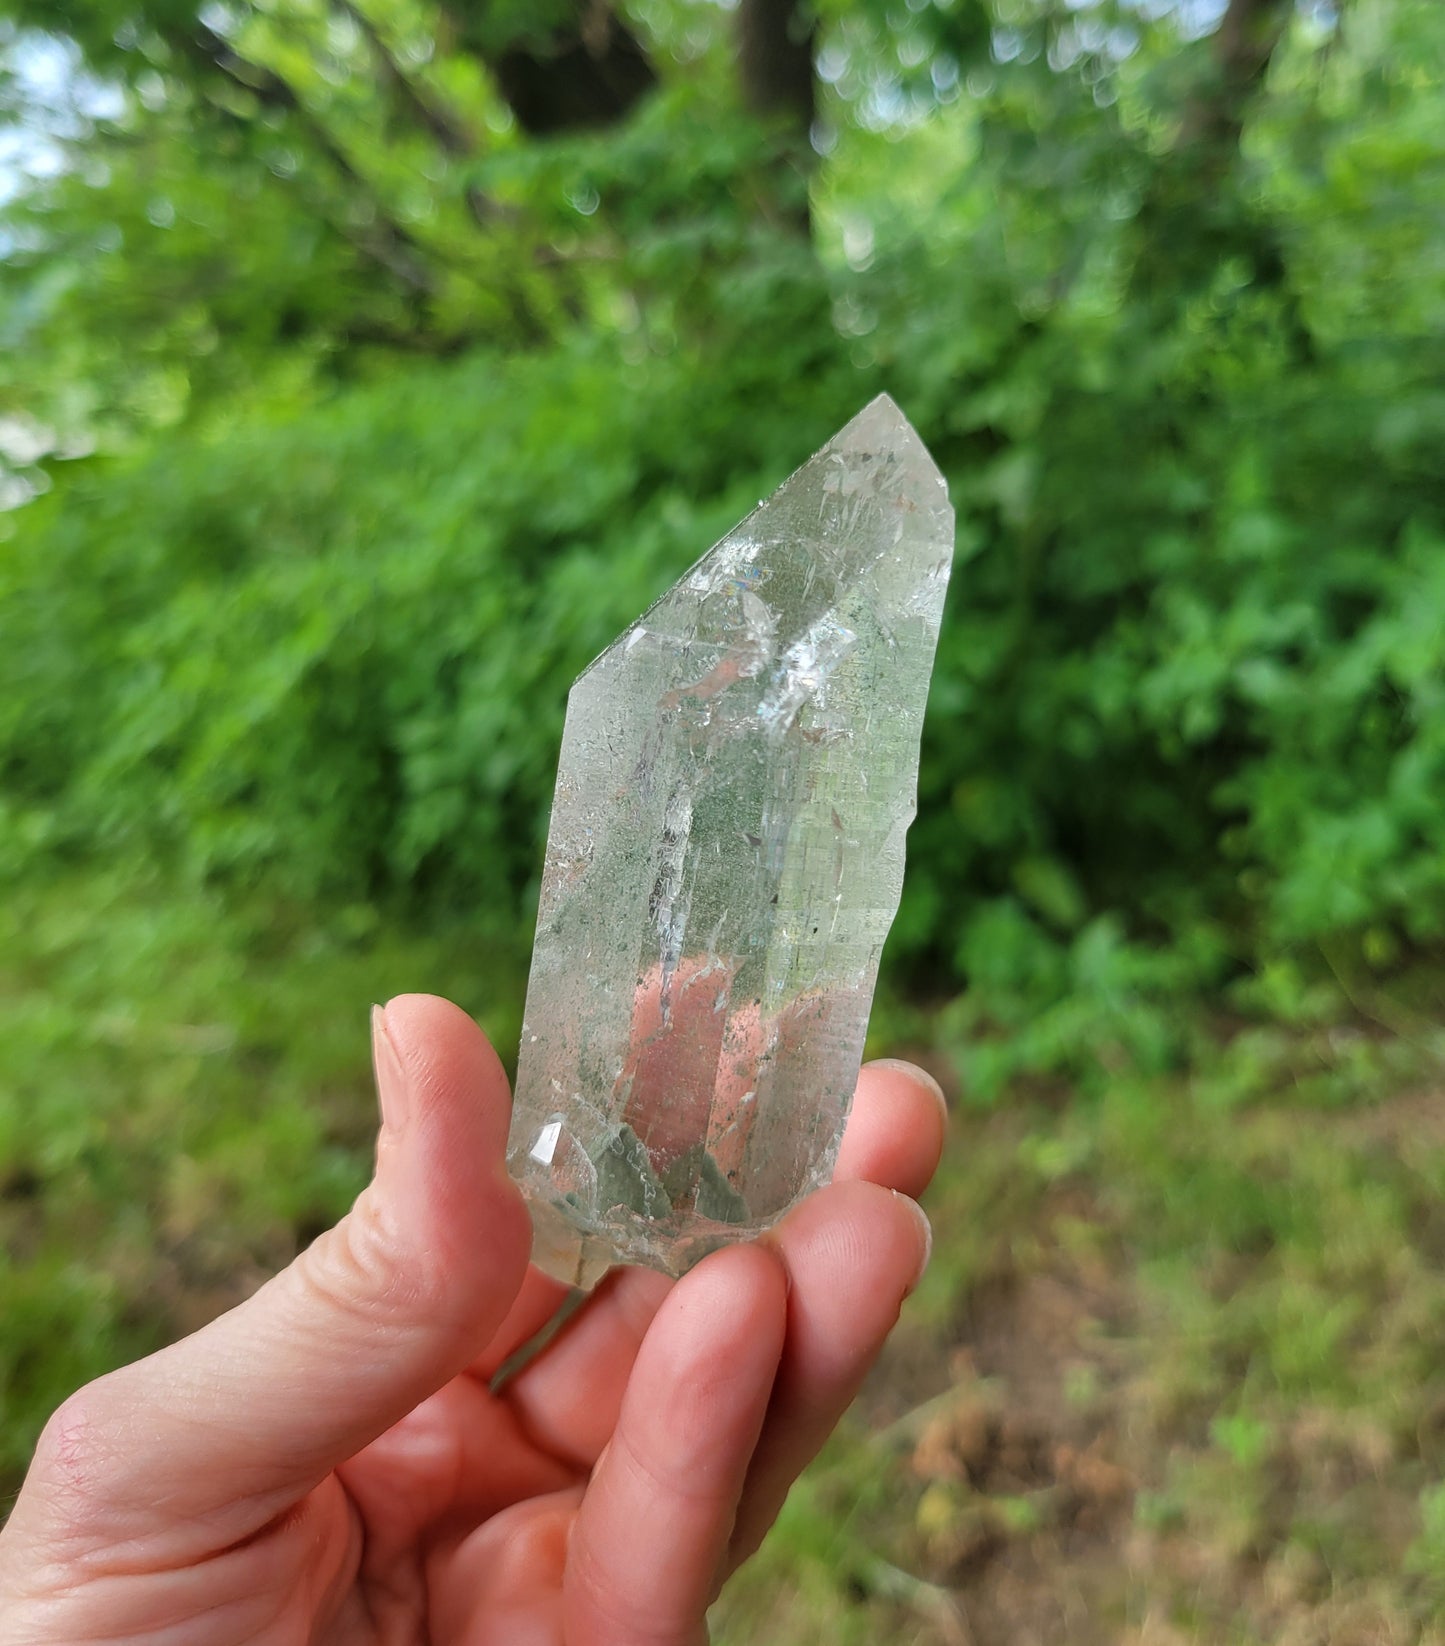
(329, 1463)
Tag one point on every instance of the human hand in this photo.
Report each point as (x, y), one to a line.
(330, 1462)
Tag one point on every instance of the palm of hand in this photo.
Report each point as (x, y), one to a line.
(230, 1489)
(458, 1524)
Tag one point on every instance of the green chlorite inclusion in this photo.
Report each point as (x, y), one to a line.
(738, 773)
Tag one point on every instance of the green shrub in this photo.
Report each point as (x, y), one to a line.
(1189, 712)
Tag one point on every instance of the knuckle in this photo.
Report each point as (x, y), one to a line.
(683, 1481)
(616, 1611)
(70, 1442)
(77, 1472)
(366, 1268)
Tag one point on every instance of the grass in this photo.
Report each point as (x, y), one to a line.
(1176, 1374)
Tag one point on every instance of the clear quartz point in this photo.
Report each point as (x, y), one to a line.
(738, 772)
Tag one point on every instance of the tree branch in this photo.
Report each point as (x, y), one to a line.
(446, 126)
(390, 246)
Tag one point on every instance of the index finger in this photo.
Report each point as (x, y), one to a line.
(654, 1524)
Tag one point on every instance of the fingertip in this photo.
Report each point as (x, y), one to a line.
(427, 1029)
(745, 1286)
(896, 1129)
(444, 1056)
(917, 1074)
(925, 1235)
(853, 1238)
(446, 1179)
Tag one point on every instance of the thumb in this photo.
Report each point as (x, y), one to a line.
(227, 1428)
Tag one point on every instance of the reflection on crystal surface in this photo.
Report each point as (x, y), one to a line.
(738, 772)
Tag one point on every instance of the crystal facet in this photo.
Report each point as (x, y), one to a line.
(738, 772)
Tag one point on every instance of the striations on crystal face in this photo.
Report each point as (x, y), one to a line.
(738, 772)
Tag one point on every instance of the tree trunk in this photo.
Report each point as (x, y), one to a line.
(1193, 216)
(1243, 45)
(775, 61)
(775, 72)
(583, 69)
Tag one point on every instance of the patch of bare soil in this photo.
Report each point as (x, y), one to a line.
(1042, 1460)
(1027, 1490)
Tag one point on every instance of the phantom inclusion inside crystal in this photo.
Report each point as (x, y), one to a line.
(738, 773)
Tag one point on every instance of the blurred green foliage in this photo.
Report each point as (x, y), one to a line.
(352, 397)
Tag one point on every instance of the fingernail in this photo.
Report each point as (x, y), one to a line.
(912, 1070)
(926, 1229)
(392, 1088)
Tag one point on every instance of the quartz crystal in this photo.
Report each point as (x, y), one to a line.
(738, 772)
